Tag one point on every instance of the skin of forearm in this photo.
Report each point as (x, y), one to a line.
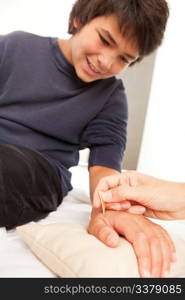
(95, 175)
(179, 194)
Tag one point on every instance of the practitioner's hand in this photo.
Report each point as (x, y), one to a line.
(110, 188)
(162, 199)
(153, 247)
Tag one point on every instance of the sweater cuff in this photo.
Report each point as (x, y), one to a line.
(110, 156)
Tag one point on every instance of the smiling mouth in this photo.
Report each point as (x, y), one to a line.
(92, 67)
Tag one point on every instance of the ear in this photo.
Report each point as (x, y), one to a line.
(76, 23)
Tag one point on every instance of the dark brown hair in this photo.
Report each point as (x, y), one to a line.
(142, 21)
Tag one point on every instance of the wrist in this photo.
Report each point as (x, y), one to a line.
(181, 193)
(95, 211)
(176, 196)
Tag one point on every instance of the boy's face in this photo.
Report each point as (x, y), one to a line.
(99, 50)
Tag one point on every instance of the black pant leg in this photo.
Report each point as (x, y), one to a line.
(30, 187)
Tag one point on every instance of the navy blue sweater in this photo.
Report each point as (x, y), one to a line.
(46, 107)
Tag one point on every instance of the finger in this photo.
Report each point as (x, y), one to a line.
(169, 253)
(128, 226)
(125, 205)
(112, 181)
(104, 185)
(150, 233)
(142, 251)
(115, 194)
(137, 209)
(173, 256)
(166, 262)
(155, 214)
(167, 248)
(157, 257)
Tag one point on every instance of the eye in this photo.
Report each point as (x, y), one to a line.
(123, 58)
(104, 41)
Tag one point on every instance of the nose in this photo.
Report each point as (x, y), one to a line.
(105, 62)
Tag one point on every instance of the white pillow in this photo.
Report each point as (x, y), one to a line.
(69, 251)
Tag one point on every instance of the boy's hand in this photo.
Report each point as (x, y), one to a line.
(153, 247)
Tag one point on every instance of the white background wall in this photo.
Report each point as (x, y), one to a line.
(137, 80)
(45, 17)
(163, 146)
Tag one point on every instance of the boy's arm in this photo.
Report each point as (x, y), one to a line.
(95, 175)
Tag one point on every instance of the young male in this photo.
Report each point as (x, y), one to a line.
(60, 96)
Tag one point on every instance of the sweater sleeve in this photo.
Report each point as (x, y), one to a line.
(7, 48)
(2, 46)
(8, 42)
(106, 134)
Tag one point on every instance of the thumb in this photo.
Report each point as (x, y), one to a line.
(105, 233)
(108, 236)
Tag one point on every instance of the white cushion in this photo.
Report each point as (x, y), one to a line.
(69, 251)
